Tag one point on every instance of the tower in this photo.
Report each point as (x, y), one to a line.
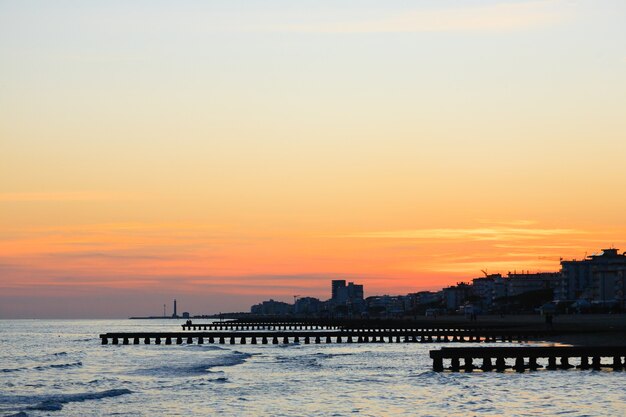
(337, 286)
(175, 315)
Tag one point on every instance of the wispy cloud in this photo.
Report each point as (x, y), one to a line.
(520, 222)
(482, 233)
(64, 196)
(496, 17)
(500, 266)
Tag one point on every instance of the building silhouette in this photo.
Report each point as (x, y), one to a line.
(342, 293)
(336, 286)
(600, 278)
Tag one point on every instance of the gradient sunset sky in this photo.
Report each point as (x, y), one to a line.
(227, 152)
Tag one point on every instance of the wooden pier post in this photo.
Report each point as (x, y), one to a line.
(565, 363)
(487, 365)
(438, 365)
(455, 364)
(596, 365)
(617, 363)
(500, 364)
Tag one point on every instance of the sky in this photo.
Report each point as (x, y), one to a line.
(227, 152)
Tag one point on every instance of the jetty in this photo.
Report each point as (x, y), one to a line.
(381, 335)
(270, 325)
(495, 358)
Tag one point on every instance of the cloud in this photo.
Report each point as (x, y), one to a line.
(500, 266)
(496, 17)
(483, 233)
(538, 247)
(63, 196)
(507, 222)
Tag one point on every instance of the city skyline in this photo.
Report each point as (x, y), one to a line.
(223, 154)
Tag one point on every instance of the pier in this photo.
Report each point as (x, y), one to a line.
(270, 325)
(495, 358)
(400, 335)
(338, 324)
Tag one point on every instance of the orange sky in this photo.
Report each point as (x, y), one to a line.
(223, 155)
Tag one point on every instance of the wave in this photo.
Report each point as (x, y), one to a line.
(197, 368)
(56, 402)
(204, 347)
(44, 367)
(220, 380)
(332, 355)
(7, 370)
(59, 366)
(306, 361)
(288, 345)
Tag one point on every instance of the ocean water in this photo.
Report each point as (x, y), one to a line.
(59, 368)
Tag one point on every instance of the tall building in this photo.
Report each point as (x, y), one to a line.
(272, 308)
(456, 295)
(520, 283)
(484, 288)
(342, 293)
(175, 315)
(599, 277)
(347, 299)
(336, 287)
(307, 306)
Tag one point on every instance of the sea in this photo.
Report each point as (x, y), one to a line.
(59, 368)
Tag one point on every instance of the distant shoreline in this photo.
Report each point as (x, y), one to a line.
(570, 329)
(173, 318)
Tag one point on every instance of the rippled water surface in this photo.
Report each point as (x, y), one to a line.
(59, 368)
